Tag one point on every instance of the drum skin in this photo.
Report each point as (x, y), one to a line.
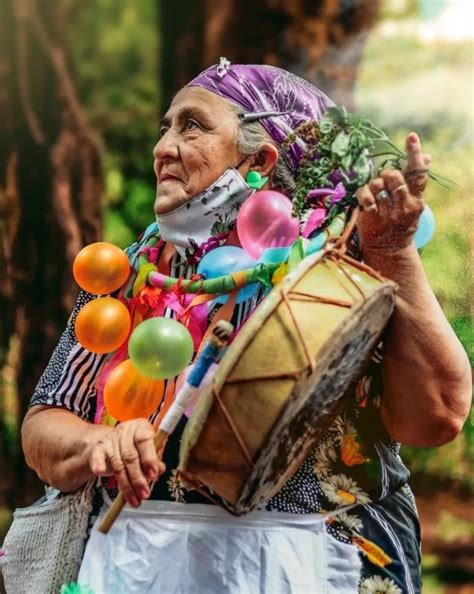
(267, 406)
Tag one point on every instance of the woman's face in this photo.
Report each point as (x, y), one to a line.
(197, 144)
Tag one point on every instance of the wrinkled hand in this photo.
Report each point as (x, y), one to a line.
(389, 223)
(128, 452)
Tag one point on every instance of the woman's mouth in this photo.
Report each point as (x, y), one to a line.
(168, 177)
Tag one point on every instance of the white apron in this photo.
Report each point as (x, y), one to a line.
(175, 548)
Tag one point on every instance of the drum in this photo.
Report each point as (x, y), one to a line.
(284, 379)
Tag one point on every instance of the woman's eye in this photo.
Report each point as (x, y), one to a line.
(163, 131)
(192, 125)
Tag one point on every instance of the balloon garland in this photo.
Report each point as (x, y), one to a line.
(101, 268)
(103, 325)
(159, 348)
(130, 395)
(275, 234)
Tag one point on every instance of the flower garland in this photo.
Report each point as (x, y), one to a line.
(339, 158)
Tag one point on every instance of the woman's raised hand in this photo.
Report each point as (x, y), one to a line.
(128, 452)
(392, 203)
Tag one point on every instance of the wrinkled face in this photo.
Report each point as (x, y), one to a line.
(197, 144)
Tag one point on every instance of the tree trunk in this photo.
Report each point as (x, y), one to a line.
(50, 190)
(320, 40)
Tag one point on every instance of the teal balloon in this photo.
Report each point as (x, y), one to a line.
(274, 255)
(316, 244)
(426, 228)
(224, 260)
(160, 348)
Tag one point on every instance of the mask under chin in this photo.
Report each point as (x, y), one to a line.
(210, 213)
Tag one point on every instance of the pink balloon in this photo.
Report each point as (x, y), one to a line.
(265, 221)
(183, 376)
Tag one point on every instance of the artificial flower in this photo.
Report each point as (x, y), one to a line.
(314, 221)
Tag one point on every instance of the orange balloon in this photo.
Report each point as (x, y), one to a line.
(103, 325)
(130, 395)
(101, 268)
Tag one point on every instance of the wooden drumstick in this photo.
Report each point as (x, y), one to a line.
(211, 352)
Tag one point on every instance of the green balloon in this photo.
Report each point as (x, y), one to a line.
(160, 348)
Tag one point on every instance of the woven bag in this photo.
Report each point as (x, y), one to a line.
(44, 546)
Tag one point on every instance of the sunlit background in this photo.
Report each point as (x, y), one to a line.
(415, 73)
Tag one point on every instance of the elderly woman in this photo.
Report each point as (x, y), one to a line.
(342, 523)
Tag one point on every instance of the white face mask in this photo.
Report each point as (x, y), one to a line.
(209, 213)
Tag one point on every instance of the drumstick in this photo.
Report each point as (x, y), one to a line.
(211, 352)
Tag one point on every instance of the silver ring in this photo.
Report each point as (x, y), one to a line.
(400, 187)
(382, 195)
(420, 172)
(373, 206)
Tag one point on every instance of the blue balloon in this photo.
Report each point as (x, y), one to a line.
(224, 260)
(274, 255)
(316, 244)
(426, 228)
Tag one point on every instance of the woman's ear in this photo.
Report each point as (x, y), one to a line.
(265, 160)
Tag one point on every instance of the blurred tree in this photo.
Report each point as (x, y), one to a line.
(50, 190)
(321, 41)
(114, 50)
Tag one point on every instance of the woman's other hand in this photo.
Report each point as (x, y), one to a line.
(392, 203)
(128, 452)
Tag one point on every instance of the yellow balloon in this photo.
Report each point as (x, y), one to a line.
(130, 395)
(101, 268)
(103, 325)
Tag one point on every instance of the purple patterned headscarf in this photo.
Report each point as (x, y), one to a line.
(260, 88)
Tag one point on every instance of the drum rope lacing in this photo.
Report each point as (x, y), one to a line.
(232, 426)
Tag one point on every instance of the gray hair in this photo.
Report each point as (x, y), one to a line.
(251, 136)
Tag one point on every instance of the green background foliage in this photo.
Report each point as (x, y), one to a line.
(114, 47)
(428, 88)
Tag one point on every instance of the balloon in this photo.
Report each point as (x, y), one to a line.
(206, 379)
(130, 395)
(224, 260)
(160, 348)
(265, 221)
(317, 243)
(102, 325)
(101, 268)
(426, 228)
(274, 255)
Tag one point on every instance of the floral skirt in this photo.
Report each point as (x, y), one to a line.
(175, 548)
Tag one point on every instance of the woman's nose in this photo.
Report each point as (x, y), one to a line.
(166, 147)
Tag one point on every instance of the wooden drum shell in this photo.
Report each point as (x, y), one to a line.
(284, 379)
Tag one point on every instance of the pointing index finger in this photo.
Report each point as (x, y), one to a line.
(416, 168)
(415, 158)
